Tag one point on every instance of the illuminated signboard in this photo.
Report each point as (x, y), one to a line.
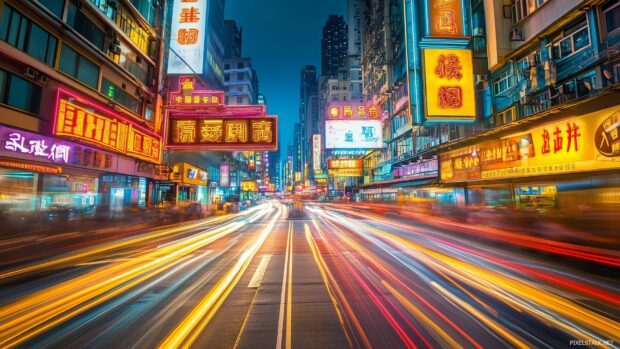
(344, 164)
(445, 18)
(353, 111)
(353, 134)
(297, 176)
(316, 152)
(224, 175)
(417, 169)
(224, 133)
(585, 143)
(22, 165)
(343, 172)
(84, 121)
(449, 85)
(187, 37)
(251, 186)
(188, 97)
(188, 174)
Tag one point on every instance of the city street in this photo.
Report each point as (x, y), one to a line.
(330, 276)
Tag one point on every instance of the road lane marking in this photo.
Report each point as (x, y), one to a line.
(285, 288)
(257, 278)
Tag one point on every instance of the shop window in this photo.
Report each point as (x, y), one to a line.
(19, 93)
(78, 66)
(25, 35)
(55, 6)
(85, 27)
(119, 95)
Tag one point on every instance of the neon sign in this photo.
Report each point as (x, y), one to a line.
(95, 125)
(353, 111)
(445, 18)
(16, 142)
(189, 97)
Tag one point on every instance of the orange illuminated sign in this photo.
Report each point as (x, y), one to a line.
(22, 165)
(106, 130)
(445, 18)
(353, 111)
(344, 164)
(576, 144)
(226, 133)
(188, 97)
(342, 172)
(449, 85)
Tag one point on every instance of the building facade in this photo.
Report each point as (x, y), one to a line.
(81, 123)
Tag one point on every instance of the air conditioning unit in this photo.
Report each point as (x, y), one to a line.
(31, 73)
(479, 79)
(44, 79)
(515, 35)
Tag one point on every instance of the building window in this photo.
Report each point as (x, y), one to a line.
(239, 76)
(240, 65)
(502, 82)
(146, 9)
(227, 77)
(25, 35)
(55, 6)
(19, 93)
(573, 40)
(119, 95)
(226, 66)
(239, 99)
(136, 34)
(149, 114)
(524, 8)
(78, 66)
(612, 17)
(85, 27)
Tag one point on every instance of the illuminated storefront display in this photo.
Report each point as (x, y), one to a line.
(95, 125)
(22, 165)
(188, 174)
(316, 152)
(584, 143)
(353, 111)
(345, 172)
(445, 18)
(417, 169)
(353, 134)
(344, 164)
(187, 37)
(224, 175)
(188, 97)
(226, 133)
(449, 84)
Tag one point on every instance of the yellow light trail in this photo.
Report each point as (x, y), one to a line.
(31, 315)
(197, 319)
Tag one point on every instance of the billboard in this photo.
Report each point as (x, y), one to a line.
(449, 85)
(316, 152)
(353, 134)
(224, 175)
(187, 37)
(589, 142)
(343, 172)
(91, 123)
(353, 110)
(199, 133)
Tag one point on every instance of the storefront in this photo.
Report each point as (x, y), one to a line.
(190, 184)
(249, 190)
(543, 167)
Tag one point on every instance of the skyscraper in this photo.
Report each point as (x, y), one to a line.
(333, 45)
(308, 111)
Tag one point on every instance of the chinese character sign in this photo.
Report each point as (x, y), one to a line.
(449, 83)
(224, 175)
(445, 18)
(316, 152)
(582, 143)
(227, 133)
(353, 111)
(188, 33)
(188, 97)
(344, 164)
(106, 131)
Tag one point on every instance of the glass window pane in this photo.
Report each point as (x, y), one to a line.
(52, 44)
(14, 28)
(612, 19)
(3, 76)
(37, 42)
(23, 94)
(581, 39)
(88, 73)
(55, 6)
(68, 61)
(23, 31)
(566, 47)
(4, 23)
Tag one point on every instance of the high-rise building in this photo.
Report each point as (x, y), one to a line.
(333, 45)
(354, 58)
(232, 39)
(67, 69)
(308, 112)
(240, 79)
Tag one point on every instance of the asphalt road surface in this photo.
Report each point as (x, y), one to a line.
(337, 276)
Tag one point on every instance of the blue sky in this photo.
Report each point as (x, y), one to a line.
(282, 36)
